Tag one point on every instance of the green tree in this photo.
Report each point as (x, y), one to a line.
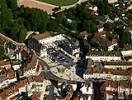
(103, 7)
(130, 97)
(89, 26)
(35, 19)
(24, 96)
(22, 33)
(2, 51)
(52, 25)
(60, 17)
(17, 31)
(12, 4)
(109, 26)
(5, 15)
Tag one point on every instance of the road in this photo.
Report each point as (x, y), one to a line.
(37, 4)
(46, 71)
(45, 6)
(12, 41)
(70, 6)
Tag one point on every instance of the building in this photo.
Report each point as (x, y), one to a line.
(102, 56)
(112, 1)
(63, 43)
(112, 88)
(76, 91)
(118, 64)
(5, 64)
(87, 91)
(126, 53)
(12, 92)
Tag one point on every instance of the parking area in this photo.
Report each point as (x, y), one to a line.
(60, 57)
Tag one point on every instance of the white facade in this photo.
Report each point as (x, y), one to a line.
(94, 8)
(74, 86)
(76, 52)
(122, 89)
(101, 29)
(104, 58)
(112, 1)
(127, 53)
(43, 52)
(50, 40)
(18, 56)
(117, 66)
(87, 90)
(111, 47)
(7, 82)
(16, 67)
(130, 7)
(105, 76)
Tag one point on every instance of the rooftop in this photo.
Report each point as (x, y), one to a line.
(36, 96)
(41, 36)
(104, 53)
(118, 63)
(8, 91)
(115, 84)
(107, 71)
(4, 63)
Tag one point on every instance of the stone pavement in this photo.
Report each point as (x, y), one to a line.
(68, 74)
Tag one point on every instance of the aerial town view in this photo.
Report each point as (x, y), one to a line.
(65, 49)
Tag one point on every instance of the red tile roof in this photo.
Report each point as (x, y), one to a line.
(36, 96)
(4, 63)
(8, 91)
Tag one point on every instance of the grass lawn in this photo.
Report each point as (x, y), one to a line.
(60, 2)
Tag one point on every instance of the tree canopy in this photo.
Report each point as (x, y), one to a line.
(15, 22)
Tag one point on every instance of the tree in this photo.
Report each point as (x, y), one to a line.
(34, 19)
(12, 4)
(24, 96)
(129, 97)
(109, 26)
(124, 37)
(22, 33)
(52, 25)
(5, 15)
(103, 7)
(2, 51)
(89, 26)
(17, 31)
(60, 17)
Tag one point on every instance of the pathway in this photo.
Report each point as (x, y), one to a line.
(36, 4)
(45, 6)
